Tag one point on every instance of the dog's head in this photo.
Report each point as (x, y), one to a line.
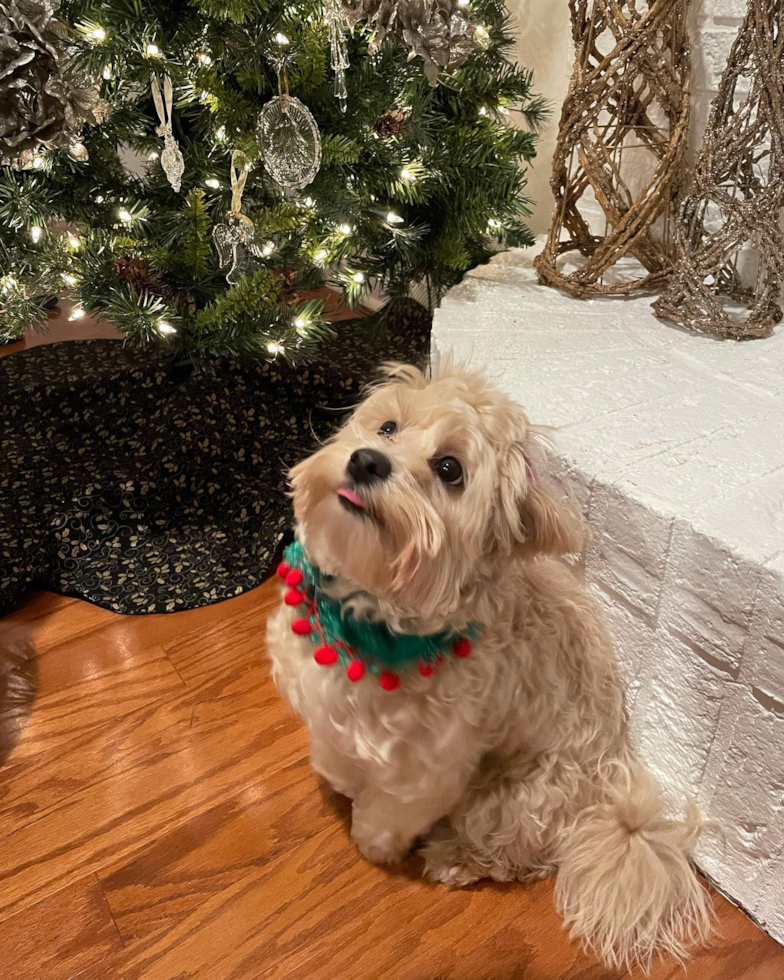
(430, 485)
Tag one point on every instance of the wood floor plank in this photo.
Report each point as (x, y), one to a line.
(222, 858)
(737, 950)
(197, 626)
(35, 786)
(319, 912)
(46, 620)
(64, 715)
(60, 937)
(217, 756)
(170, 877)
(101, 971)
(197, 653)
(33, 783)
(37, 604)
(48, 624)
(89, 656)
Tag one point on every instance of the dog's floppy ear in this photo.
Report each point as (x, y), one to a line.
(537, 522)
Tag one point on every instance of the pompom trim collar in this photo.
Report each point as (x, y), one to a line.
(361, 647)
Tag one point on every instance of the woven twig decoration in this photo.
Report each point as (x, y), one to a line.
(621, 144)
(729, 243)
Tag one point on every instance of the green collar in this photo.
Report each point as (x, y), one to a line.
(359, 645)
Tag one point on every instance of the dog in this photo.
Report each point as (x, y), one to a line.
(457, 682)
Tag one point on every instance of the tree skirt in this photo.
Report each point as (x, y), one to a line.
(128, 483)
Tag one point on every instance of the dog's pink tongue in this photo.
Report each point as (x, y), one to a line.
(351, 497)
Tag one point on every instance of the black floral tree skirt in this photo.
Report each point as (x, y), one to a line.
(132, 484)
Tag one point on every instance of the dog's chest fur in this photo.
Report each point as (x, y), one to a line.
(519, 693)
(397, 734)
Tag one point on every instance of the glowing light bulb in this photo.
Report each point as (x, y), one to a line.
(221, 132)
(124, 215)
(107, 72)
(493, 223)
(483, 110)
(212, 182)
(35, 234)
(77, 314)
(166, 328)
(153, 50)
(345, 229)
(274, 348)
(321, 255)
(463, 3)
(301, 323)
(38, 162)
(281, 39)
(73, 240)
(268, 249)
(394, 219)
(99, 199)
(8, 282)
(97, 34)
(68, 279)
(204, 58)
(406, 174)
(153, 155)
(359, 277)
(481, 30)
(308, 202)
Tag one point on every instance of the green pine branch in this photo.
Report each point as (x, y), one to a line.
(408, 209)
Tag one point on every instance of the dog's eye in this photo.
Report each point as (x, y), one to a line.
(388, 429)
(449, 471)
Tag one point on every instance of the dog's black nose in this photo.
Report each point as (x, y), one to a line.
(368, 465)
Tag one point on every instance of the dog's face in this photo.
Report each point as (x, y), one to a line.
(426, 482)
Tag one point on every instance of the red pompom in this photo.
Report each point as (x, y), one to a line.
(355, 671)
(294, 577)
(462, 647)
(325, 656)
(301, 627)
(389, 681)
(426, 670)
(293, 597)
(283, 569)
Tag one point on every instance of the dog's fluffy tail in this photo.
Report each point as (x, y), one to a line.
(625, 884)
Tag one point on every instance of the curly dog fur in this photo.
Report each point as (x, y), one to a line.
(514, 763)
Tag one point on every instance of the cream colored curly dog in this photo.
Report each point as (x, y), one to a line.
(455, 677)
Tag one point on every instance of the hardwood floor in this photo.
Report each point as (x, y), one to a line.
(159, 821)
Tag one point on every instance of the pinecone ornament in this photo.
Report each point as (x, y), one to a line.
(390, 124)
(136, 272)
(291, 294)
(438, 31)
(41, 106)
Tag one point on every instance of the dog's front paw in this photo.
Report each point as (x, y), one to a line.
(447, 863)
(454, 875)
(380, 848)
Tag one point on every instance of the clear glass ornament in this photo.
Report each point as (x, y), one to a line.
(172, 161)
(235, 236)
(337, 21)
(290, 141)
(232, 237)
(171, 157)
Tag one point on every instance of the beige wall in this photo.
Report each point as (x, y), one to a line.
(545, 45)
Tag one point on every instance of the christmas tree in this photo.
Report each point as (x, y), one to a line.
(418, 180)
